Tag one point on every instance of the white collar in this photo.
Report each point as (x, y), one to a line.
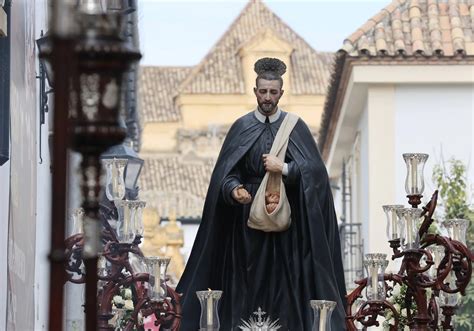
(272, 118)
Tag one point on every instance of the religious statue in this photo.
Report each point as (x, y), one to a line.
(279, 271)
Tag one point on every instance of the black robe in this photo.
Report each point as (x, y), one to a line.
(279, 272)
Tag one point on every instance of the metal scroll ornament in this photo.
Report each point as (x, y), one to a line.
(435, 269)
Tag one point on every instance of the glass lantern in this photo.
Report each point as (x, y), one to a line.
(209, 300)
(375, 265)
(115, 182)
(414, 183)
(157, 268)
(322, 312)
(456, 228)
(77, 221)
(409, 218)
(393, 222)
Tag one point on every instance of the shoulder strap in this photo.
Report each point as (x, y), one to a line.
(283, 134)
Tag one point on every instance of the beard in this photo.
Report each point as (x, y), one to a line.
(267, 108)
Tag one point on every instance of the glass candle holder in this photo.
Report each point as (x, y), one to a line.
(393, 221)
(437, 253)
(77, 221)
(322, 312)
(157, 268)
(209, 300)
(137, 263)
(115, 182)
(375, 265)
(414, 182)
(449, 299)
(137, 217)
(92, 237)
(125, 223)
(102, 266)
(409, 218)
(103, 270)
(457, 228)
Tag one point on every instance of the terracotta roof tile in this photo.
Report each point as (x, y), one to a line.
(168, 176)
(220, 71)
(417, 27)
(438, 30)
(157, 88)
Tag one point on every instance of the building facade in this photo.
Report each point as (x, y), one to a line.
(24, 170)
(403, 83)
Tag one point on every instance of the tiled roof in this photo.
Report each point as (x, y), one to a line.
(157, 88)
(221, 72)
(405, 31)
(416, 27)
(171, 176)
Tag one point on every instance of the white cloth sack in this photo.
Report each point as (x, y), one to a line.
(279, 219)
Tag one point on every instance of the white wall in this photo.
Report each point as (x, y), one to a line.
(360, 199)
(427, 118)
(43, 198)
(433, 119)
(23, 180)
(4, 211)
(189, 232)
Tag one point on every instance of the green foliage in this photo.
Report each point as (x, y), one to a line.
(452, 184)
(398, 301)
(451, 179)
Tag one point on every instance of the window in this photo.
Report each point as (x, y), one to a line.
(351, 227)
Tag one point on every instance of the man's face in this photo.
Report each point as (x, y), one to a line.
(268, 93)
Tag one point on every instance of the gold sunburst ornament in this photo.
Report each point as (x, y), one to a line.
(259, 323)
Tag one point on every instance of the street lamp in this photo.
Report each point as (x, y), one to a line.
(44, 47)
(45, 75)
(132, 169)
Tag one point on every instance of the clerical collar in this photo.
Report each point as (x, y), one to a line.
(272, 118)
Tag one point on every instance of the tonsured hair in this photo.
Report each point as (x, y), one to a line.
(270, 69)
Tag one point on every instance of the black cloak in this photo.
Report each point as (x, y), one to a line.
(313, 267)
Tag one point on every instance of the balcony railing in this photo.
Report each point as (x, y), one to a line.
(352, 248)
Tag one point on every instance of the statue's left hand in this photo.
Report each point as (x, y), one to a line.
(272, 163)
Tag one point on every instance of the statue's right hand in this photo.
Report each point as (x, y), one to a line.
(241, 195)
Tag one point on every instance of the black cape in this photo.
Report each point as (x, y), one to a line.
(318, 273)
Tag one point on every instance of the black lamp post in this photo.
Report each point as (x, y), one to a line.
(45, 78)
(44, 47)
(90, 58)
